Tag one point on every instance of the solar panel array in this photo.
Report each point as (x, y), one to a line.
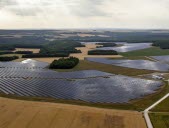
(30, 78)
(103, 42)
(27, 64)
(49, 74)
(162, 58)
(116, 89)
(136, 64)
(128, 47)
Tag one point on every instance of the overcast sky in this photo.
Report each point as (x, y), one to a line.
(20, 14)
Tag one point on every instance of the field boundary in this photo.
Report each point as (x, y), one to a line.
(146, 111)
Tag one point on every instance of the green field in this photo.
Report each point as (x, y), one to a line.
(163, 106)
(153, 51)
(160, 120)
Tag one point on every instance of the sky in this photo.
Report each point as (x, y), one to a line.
(58, 14)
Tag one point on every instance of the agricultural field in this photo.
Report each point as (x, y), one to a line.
(162, 107)
(160, 115)
(28, 114)
(89, 47)
(160, 120)
(81, 56)
(89, 92)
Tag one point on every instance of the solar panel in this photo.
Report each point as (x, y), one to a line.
(128, 47)
(88, 85)
(44, 73)
(116, 89)
(27, 64)
(162, 58)
(136, 64)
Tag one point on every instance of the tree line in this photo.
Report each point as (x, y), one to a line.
(102, 52)
(8, 58)
(64, 63)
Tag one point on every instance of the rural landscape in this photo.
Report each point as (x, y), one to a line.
(84, 64)
(97, 80)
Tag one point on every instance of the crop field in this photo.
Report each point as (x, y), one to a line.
(90, 46)
(28, 114)
(81, 56)
(160, 120)
(162, 107)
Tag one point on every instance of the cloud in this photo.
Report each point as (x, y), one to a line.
(4, 3)
(83, 8)
(88, 8)
(84, 13)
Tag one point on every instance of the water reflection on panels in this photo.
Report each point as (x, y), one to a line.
(115, 89)
(162, 58)
(44, 73)
(24, 64)
(30, 78)
(137, 64)
(128, 47)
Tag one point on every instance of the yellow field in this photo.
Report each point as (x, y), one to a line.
(27, 114)
(81, 56)
(27, 49)
(89, 47)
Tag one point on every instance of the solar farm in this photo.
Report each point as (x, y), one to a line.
(162, 58)
(128, 47)
(136, 64)
(83, 82)
(88, 85)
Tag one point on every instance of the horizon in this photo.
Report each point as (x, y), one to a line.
(166, 29)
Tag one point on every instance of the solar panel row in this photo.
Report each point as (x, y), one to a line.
(44, 73)
(162, 58)
(27, 64)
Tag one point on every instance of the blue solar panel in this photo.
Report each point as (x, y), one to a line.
(162, 58)
(44, 73)
(128, 47)
(116, 89)
(88, 85)
(24, 64)
(137, 64)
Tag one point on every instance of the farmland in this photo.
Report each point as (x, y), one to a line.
(100, 90)
(22, 114)
(160, 120)
(162, 107)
